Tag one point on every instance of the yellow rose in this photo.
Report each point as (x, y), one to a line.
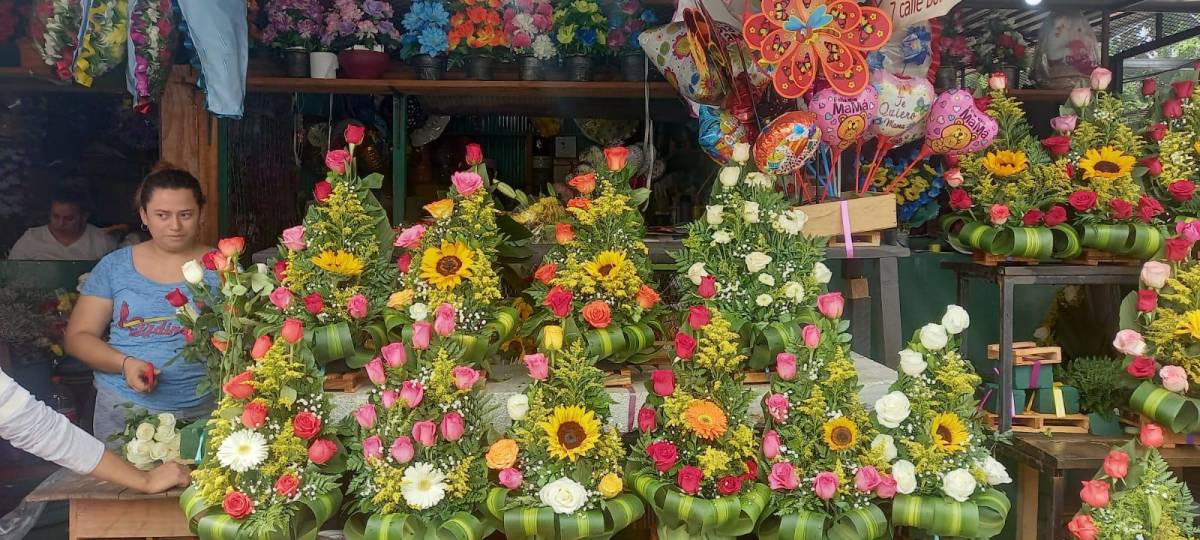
(440, 209)
(400, 299)
(611, 485)
(552, 338)
(502, 454)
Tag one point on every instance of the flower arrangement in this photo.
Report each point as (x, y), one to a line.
(539, 215)
(294, 24)
(148, 439)
(582, 28)
(696, 450)
(749, 259)
(419, 440)
(11, 16)
(365, 24)
(626, 22)
(55, 33)
(560, 463)
(827, 465)
(102, 45)
(916, 193)
(595, 282)
(1135, 495)
(529, 25)
(941, 465)
(1000, 45)
(477, 28)
(151, 27)
(426, 29)
(956, 49)
(34, 318)
(1174, 140)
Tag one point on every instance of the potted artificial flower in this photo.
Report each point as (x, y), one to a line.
(626, 23)
(362, 31)
(582, 33)
(293, 28)
(957, 55)
(1002, 49)
(425, 41)
(528, 24)
(477, 36)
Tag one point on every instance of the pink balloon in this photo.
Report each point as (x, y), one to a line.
(902, 103)
(955, 126)
(843, 119)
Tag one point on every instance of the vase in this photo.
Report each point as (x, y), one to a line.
(1013, 74)
(322, 65)
(579, 68)
(530, 68)
(633, 66)
(295, 62)
(479, 67)
(552, 70)
(363, 64)
(428, 68)
(948, 77)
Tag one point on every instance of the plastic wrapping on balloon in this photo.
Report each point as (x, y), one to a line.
(1067, 51)
(843, 119)
(787, 143)
(955, 126)
(701, 76)
(910, 51)
(903, 103)
(719, 131)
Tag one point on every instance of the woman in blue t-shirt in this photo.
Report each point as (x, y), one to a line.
(125, 296)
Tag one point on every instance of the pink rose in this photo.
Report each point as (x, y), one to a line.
(647, 419)
(771, 444)
(452, 427)
(1064, 124)
(410, 238)
(281, 297)
(698, 316)
(777, 406)
(375, 371)
(783, 477)
(389, 398)
(1189, 230)
(663, 382)
(365, 415)
(412, 392)
(811, 335)
(394, 354)
(402, 449)
(403, 262)
(1151, 435)
(321, 450)
(708, 287)
(511, 478)
(357, 306)
(685, 345)
(1116, 464)
(372, 447)
(422, 334)
(785, 365)
(1129, 342)
(825, 485)
(539, 368)
(886, 488)
(1083, 528)
(1094, 493)
(425, 433)
(953, 177)
(466, 183)
(867, 479)
(999, 214)
(443, 321)
(1174, 378)
(293, 238)
(465, 377)
(831, 304)
(1155, 274)
(337, 160)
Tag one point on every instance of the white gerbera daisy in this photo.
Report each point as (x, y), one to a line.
(423, 486)
(242, 450)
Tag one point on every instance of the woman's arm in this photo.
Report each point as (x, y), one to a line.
(157, 480)
(83, 340)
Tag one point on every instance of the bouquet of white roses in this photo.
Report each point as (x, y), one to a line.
(149, 439)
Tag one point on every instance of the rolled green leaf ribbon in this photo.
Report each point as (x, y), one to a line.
(979, 236)
(980, 517)
(1177, 413)
(332, 342)
(619, 343)
(460, 526)
(772, 340)
(505, 324)
(1027, 242)
(867, 523)
(948, 224)
(1066, 242)
(1110, 238)
(543, 522)
(1143, 242)
(684, 516)
(210, 522)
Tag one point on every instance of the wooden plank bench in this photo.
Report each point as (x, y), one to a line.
(100, 509)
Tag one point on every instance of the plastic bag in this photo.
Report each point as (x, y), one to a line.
(910, 52)
(1067, 51)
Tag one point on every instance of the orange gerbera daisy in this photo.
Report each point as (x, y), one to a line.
(706, 419)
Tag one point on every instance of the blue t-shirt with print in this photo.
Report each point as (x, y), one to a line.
(144, 326)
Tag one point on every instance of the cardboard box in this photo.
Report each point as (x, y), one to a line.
(868, 212)
(1043, 400)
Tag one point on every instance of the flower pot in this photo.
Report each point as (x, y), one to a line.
(633, 66)
(479, 67)
(295, 62)
(362, 64)
(579, 68)
(948, 77)
(530, 67)
(1013, 74)
(428, 68)
(322, 65)
(552, 70)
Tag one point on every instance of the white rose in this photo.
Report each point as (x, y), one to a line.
(933, 336)
(145, 432)
(886, 445)
(821, 273)
(912, 363)
(756, 261)
(759, 180)
(750, 212)
(159, 451)
(564, 496)
(741, 152)
(712, 214)
(166, 419)
(793, 290)
(996, 473)
(729, 176)
(891, 409)
(518, 406)
(1155, 274)
(193, 273)
(190, 312)
(956, 319)
(418, 311)
(766, 279)
(722, 237)
(905, 475)
(138, 453)
(764, 300)
(695, 272)
(791, 221)
(164, 433)
(959, 485)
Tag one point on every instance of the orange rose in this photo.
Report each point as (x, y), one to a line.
(546, 272)
(646, 297)
(564, 233)
(440, 209)
(502, 454)
(616, 156)
(580, 203)
(597, 314)
(584, 183)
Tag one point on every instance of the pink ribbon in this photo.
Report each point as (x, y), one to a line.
(1034, 372)
(632, 408)
(845, 211)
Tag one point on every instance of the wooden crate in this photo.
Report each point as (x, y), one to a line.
(1031, 422)
(1170, 438)
(868, 212)
(618, 378)
(1027, 353)
(757, 377)
(345, 382)
(990, 259)
(870, 238)
(1096, 257)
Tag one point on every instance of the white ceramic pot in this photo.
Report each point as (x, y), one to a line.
(323, 65)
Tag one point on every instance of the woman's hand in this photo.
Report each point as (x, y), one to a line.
(140, 375)
(166, 476)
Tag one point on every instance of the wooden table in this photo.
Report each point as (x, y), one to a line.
(100, 509)
(1039, 456)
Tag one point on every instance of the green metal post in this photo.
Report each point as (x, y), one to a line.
(399, 157)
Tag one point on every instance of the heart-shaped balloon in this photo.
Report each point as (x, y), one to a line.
(955, 126)
(843, 119)
(903, 103)
(698, 72)
(787, 142)
(719, 131)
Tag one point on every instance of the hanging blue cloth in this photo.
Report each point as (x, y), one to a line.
(217, 29)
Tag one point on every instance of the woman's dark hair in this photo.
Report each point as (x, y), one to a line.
(165, 176)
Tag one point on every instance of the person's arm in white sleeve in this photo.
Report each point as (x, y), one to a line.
(35, 428)
(24, 249)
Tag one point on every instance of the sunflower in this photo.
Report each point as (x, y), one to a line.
(571, 432)
(1189, 325)
(1005, 162)
(606, 264)
(948, 432)
(338, 262)
(706, 419)
(448, 265)
(1107, 162)
(840, 434)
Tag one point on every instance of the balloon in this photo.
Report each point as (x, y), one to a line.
(843, 119)
(719, 131)
(902, 103)
(955, 126)
(696, 73)
(787, 142)
(913, 133)
(909, 52)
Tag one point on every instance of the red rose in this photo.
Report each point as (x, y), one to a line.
(188, 336)
(209, 260)
(337, 160)
(1019, 51)
(729, 485)
(321, 450)
(237, 505)
(1148, 207)
(254, 415)
(1031, 218)
(176, 298)
(239, 386)
(1055, 216)
(281, 270)
(354, 133)
(982, 103)
(1183, 89)
(751, 470)
(1082, 200)
(287, 485)
(1057, 145)
(689, 478)
(1153, 165)
(647, 420)
(662, 381)
(960, 200)
(546, 272)
(1121, 209)
(474, 154)
(1070, 170)
(322, 190)
(664, 455)
(1178, 248)
(1182, 190)
(1005, 40)
(1149, 87)
(708, 287)
(685, 345)
(1142, 367)
(559, 301)
(306, 425)
(1172, 108)
(314, 304)
(1156, 131)
(1147, 300)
